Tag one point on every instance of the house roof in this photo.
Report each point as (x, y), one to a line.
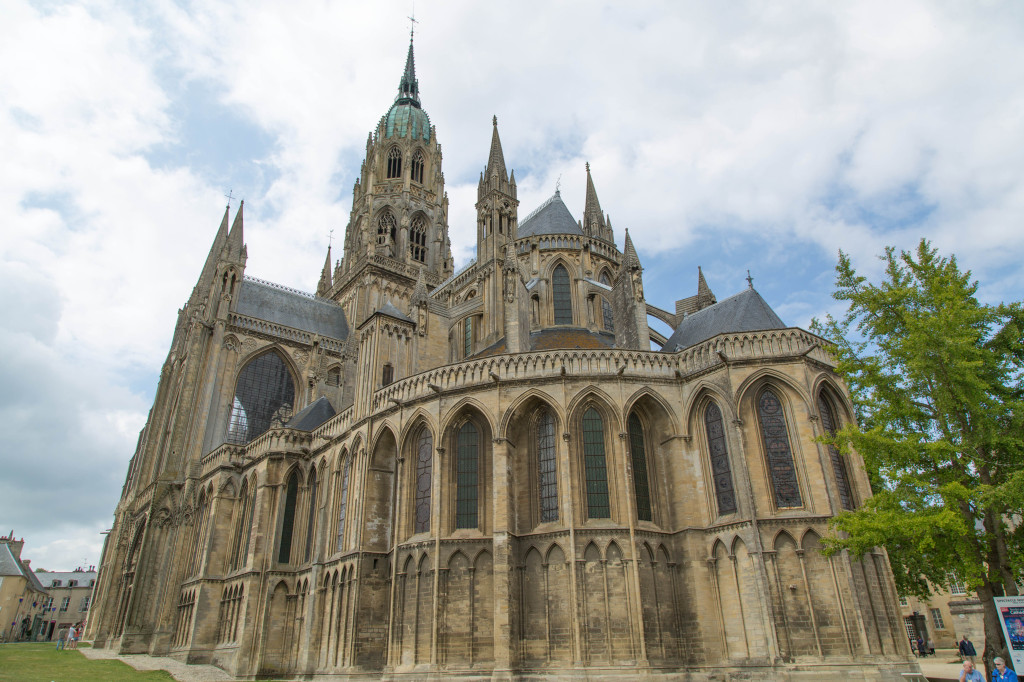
(744, 312)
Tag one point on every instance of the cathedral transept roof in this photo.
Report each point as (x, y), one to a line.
(294, 309)
(551, 217)
(744, 312)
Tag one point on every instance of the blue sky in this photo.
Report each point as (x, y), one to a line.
(733, 136)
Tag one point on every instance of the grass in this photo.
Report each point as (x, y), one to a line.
(43, 663)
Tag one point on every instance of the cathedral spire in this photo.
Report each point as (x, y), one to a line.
(325, 276)
(705, 297)
(236, 241)
(629, 257)
(496, 159)
(409, 87)
(592, 211)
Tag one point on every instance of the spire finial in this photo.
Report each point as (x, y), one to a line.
(558, 185)
(330, 239)
(750, 280)
(230, 196)
(412, 23)
(494, 120)
(588, 166)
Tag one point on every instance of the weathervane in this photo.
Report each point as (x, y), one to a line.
(558, 184)
(330, 238)
(412, 22)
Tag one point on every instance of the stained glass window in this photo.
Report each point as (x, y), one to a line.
(418, 239)
(424, 464)
(394, 163)
(641, 486)
(598, 504)
(342, 503)
(829, 423)
(291, 492)
(721, 470)
(311, 515)
(547, 471)
(466, 472)
(264, 397)
(467, 341)
(780, 454)
(417, 167)
(562, 295)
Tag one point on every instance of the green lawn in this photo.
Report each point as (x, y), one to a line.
(43, 663)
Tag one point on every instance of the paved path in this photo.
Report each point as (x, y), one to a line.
(180, 671)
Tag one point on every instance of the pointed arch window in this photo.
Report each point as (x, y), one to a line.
(595, 466)
(424, 467)
(562, 296)
(418, 239)
(264, 396)
(386, 227)
(830, 424)
(780, 454)
(721, 470)
(467, 341)
(466, 476)
(416, 168)
(240, 546)
(606, 307)
(343, 503)
(547, 473)
(311, 515)
(638, 454)
(199, 522)
(284, 554)
(394, 163)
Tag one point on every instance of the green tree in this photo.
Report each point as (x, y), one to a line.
(936, 379)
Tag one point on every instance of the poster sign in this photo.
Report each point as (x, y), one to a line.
(1011, 617)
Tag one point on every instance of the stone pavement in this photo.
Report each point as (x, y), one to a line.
(180, 671)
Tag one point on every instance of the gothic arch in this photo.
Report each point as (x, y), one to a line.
(752, 385)
(249, 420)
(782, 536)
(467, 403)
(419, 417)
(385, 425)
(529, 401)
(840, 401)
(596, 396)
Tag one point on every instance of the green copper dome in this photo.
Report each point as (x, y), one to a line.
(406, 116)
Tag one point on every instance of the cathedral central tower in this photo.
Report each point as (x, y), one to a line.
(398, 226)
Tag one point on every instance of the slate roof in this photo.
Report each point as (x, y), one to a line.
(8, 564)
(744, 312)
(290, 308)
(391, 311)
(570, 337)
(551, 217)
(313, 415)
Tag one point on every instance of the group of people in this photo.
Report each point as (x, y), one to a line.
(67, 638)
(971, 674)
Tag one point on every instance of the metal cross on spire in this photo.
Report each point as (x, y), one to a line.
(412, 22)
(229, 196)
(330, 238)
(750, 280)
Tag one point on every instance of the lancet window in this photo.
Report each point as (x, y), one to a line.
(638, 453)
(595, 466)
(830, 424)
(284, 554)
(394, 163)
(416, 167)
(311, 515)
(606, 307)
(562, 295)
(343, 503)
(264, 397)
(721, 470)
(424, 467)
(386, 227)
(418, 239)
(243, 527)
(547, 473)
(466, 476)
(779, 452)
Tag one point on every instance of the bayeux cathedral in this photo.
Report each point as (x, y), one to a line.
(424, 473)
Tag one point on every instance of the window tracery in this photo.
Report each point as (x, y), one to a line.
(264, 396)
(781, 470)
(386, 228)
(595, 466)
(424, 466)
(830, 424)
(561, 295)
(547, 475)
(418, 239)
(721, 469)
(416, 168)
(641, 487)
(394, 163)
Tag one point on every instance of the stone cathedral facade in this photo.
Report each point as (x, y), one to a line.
(418, 472)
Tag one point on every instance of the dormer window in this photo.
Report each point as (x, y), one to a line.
(394, 163)
(55, 583)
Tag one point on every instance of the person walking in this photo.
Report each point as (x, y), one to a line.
(1002, 673)
(73, 637)
(967, 650)
(62, 635)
